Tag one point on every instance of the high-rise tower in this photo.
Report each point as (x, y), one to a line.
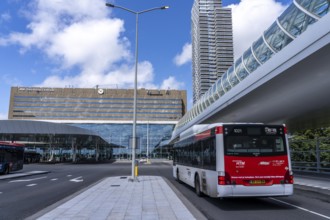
(212, 43)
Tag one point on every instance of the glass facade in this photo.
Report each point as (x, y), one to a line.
(251, 63)
(115, 108)
(276, 38)
(120, 134)
(107, 112)
(293, 21)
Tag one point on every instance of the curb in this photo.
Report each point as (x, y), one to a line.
(314, 192)
(18, 175)
(194, 211)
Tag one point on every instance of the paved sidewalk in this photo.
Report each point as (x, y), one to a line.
(118, 198)
(313, 183)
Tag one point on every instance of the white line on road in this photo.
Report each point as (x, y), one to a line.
(54, 179)
(301, 208)
(68, 175)
(77, 179)
(27, 180)
(33, 184)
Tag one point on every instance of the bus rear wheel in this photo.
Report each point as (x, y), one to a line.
(198, 186)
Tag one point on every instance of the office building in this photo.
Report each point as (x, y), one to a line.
(97, 104)
(108, 112)
(212, 44)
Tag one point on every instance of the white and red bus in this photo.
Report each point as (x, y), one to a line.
(234, 160)
(11, 157)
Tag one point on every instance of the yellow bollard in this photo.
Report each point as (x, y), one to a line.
(136, 170)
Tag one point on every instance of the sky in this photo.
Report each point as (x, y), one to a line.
(83, 43)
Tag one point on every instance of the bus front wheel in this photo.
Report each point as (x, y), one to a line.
(197, 186)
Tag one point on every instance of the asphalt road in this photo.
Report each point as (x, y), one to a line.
(24, 196)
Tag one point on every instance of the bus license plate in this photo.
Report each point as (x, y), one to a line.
(257, 182)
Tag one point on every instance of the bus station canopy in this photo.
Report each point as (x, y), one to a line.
(40, 127)
(47, 132)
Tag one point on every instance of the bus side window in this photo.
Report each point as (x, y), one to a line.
(236, 146)
(213, 154)
(197, 154)
(209, 155)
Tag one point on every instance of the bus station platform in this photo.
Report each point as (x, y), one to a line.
(146, 198)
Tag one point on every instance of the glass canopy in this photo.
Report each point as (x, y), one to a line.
(289, 25)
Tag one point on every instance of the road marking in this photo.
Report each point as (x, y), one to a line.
(27, 180)
(54, 179)
(31, 185)
(68, 175)
(77, 179)
(301, 208)
(311, 185)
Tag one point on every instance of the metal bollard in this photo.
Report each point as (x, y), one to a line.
(136, 165)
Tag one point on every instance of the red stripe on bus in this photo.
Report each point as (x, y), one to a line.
(219, 130)
(203, 135)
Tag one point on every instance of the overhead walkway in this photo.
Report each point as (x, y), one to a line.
(282, 78)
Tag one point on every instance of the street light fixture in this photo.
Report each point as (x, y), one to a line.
(137, 13)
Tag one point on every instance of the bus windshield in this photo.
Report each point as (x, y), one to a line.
(254, 141)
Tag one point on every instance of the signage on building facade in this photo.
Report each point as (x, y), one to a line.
(36, 89)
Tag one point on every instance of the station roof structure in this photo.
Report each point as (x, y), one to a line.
(47, 132)
(40, 127)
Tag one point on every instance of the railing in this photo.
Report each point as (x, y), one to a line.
(311, 155)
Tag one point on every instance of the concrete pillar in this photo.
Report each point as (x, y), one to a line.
(97, 153)
(74, 151)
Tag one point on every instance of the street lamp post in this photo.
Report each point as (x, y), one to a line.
(148, 142)
(137, 13)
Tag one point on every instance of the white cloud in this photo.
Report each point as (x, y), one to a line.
(80, 35)
(48, 18)
(63, 29)
(172, 83)
(91, 44)
(185, 55)
(250, 19)
(121, 77)
(3, 116)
